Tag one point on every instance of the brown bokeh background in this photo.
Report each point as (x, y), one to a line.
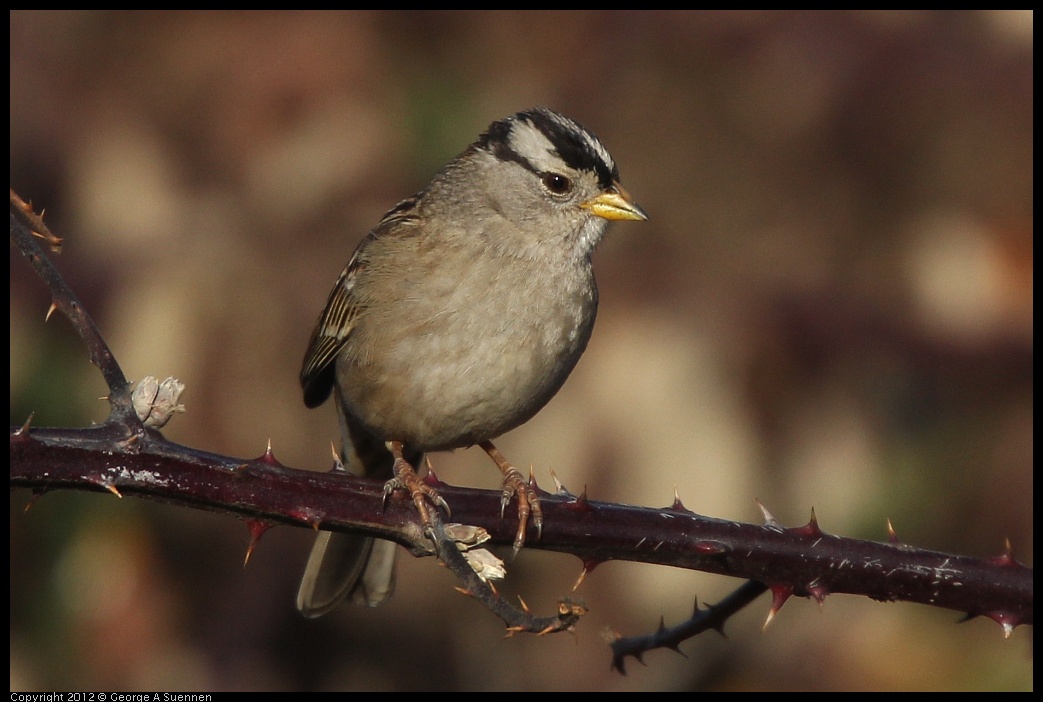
(831, 306)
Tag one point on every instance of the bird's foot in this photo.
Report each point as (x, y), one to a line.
(407, 479)
(528, 501)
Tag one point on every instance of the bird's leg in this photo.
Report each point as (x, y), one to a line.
(515, 484)
(407, 479)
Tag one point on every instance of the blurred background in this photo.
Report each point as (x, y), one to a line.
(830, 307)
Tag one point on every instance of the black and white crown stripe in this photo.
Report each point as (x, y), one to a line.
(540, 140)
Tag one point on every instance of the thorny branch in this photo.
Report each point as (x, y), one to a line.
(124, 457)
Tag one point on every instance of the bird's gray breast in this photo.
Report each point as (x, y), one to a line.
(483, 351)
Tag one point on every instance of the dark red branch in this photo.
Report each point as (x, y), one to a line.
(804, 559)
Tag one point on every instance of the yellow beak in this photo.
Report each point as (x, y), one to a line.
(615, 203)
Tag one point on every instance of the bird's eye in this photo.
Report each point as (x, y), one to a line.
(557, 183)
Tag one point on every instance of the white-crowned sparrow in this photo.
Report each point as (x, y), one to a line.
(457, 318)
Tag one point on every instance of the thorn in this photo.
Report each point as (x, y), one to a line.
(589, 564)
(719, 626)
(37, 494)
(662, 625)
(111, 488)
(431, 478)
(464, 591)
(50, 311)
(769, 519)
(581, 503)
(809, 529)
(892, 535)
(779, 595)
(1006, 558)
(817, 591)
(525, 607)
(1007, 621)
(24, 429)
(268, 456)
(580, 579)
(678, 506)
(559, 487)
(338, 464)
(257, 530)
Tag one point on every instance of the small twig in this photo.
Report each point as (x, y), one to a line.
(711, 617)
(26, 228)
(517, 620)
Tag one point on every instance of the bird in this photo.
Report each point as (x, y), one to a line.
(457, 318)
